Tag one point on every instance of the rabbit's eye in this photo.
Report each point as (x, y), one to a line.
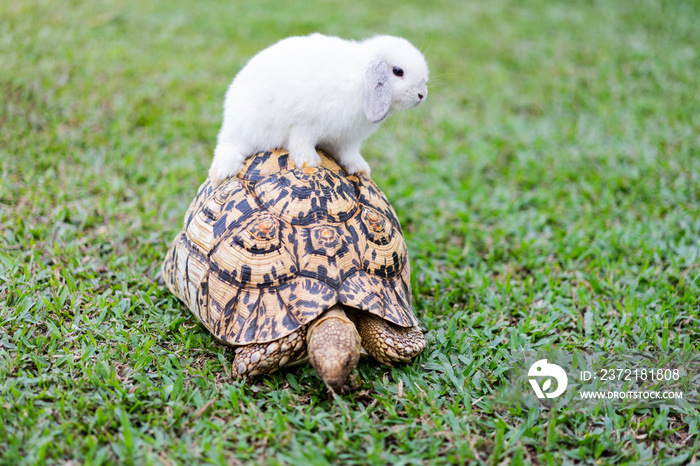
(398, 72)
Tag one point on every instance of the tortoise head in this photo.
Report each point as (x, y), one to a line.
(334, 347)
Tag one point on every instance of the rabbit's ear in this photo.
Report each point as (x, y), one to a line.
(377, 91)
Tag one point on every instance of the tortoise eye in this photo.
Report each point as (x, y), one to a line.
(398, 71)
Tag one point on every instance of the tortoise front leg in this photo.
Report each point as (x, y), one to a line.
(389, 343)
(265, 358)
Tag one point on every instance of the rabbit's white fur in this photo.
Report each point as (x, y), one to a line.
(317, 91)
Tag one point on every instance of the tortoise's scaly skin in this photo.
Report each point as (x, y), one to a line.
(265, 253)
(389, 343)
(264, 358)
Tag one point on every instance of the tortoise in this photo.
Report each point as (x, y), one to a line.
(286, 262)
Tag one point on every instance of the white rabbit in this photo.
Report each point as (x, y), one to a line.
(317, 91)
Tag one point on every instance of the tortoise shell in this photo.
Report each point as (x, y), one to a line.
(267, 251)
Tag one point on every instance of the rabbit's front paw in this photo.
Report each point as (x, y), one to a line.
(356, 165)
(305, 158)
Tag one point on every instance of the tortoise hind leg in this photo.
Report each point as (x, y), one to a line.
(265, 358)
(389, 343)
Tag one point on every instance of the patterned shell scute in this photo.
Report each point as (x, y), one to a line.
(254, 255)
(268, 251)
(303, 197)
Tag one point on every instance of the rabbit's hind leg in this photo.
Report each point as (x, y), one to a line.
(228, 161)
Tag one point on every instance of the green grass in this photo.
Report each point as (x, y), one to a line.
(549, 191)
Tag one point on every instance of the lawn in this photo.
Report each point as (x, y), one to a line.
(549, 192)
